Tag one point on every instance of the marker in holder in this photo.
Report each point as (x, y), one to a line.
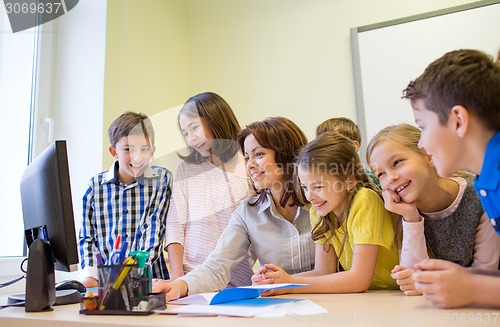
(142, 275)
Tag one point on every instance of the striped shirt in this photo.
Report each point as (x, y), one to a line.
(136, 212)
(203, 199)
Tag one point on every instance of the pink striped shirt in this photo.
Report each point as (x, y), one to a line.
(203, 198)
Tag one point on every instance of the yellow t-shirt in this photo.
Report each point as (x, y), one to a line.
(368, 222)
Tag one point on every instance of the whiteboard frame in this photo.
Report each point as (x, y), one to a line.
(356, 56)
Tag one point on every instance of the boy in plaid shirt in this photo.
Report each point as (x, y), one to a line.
(131, 199)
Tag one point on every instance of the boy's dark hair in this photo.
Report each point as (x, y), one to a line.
(341, 125)
(131, 123)
(466, 77)
(286, 139)
(222, 123)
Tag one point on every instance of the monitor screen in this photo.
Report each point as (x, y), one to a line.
(48, 220)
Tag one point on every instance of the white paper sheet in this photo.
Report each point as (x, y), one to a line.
(260, 307)
(300, 307)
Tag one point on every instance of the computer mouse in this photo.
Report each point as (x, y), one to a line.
(71, 285)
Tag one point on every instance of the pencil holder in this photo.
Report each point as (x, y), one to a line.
(121, 287)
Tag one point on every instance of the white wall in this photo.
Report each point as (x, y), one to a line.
(285, 57)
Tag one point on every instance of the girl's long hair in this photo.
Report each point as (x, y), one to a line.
(334, 154)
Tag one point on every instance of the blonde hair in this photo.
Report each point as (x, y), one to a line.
(403, 134)
(334, 154)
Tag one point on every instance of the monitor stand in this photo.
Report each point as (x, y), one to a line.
(40, 277)
(40, 282)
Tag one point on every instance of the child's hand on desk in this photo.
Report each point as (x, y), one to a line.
(444, 283)
(403, 277)
(260, 277)
(173, 290)
(269, 274)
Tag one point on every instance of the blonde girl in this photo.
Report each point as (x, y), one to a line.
(350, 224)
(441, 217)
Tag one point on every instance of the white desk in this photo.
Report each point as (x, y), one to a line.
(374, 308)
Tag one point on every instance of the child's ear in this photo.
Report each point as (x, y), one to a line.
(429, 160)
(356, 145)
(153, 149)
(350, 182)
(430, 163)
(112, 150)
(460, 118)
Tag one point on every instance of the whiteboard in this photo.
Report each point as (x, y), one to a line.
(387, 56)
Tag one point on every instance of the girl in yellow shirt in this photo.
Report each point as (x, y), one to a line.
(351, 227)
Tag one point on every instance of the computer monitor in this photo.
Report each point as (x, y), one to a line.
(49, 224)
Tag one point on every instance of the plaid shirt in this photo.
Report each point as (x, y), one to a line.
(137, 212)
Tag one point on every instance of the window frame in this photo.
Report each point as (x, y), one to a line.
(39, 104)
